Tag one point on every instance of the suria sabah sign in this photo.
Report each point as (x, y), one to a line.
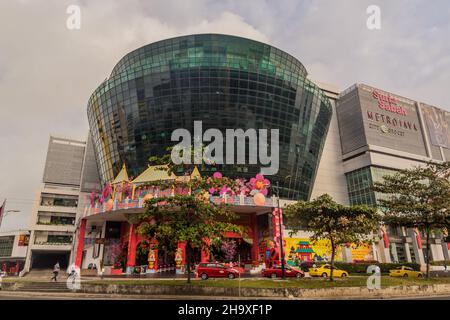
(388, 103)
(378, 117)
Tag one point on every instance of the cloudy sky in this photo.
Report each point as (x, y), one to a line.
(47, 72)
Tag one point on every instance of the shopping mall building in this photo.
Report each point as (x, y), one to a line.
(329, 142)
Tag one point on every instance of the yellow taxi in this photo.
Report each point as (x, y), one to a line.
(405, 272)
(325, 270)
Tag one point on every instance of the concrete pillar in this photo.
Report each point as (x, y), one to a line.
(376, 255)
(436, 252)
(418, 252)
(393, 252)
(383, 253)
(27, 265)
(408, 253)
(445, 250)
(347, 254)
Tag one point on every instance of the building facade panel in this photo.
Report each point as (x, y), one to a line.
(53, 219)
(330, 176)
(398, 133)
(64, 161)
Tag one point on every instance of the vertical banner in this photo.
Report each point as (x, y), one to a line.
(438, 127)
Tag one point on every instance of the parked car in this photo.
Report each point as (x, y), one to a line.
(405, 272)
(216, 270)
(276, 271)
(325, 271)
(306, 265)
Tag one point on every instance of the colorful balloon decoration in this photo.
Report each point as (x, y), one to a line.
(109, 205)
(259, 199)
(148, 196)
(259, 184)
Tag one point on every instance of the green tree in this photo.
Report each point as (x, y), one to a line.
(417, 198)
(329, 220)
(186, 218)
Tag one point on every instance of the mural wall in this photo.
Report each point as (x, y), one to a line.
(304, 249)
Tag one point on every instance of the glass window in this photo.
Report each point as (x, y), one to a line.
(6, 246)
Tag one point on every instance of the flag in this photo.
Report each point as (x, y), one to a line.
(2, 210)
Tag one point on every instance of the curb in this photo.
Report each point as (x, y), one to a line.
(268, 293)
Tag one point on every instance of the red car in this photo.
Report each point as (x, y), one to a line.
(275, 272)
(216, 270)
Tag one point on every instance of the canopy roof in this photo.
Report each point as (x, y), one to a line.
(122, 176)
(154, 173)
(195, 173)
(159, 173)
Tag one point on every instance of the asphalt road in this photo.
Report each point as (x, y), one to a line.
(80, 296)
(77, 296)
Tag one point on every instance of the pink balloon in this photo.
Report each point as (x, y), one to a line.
(148, 196)
(109, 205)
(259, 199)
(217, 175)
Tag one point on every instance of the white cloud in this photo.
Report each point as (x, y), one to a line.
(48, 72)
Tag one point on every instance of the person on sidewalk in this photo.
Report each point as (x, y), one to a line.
(56, 269)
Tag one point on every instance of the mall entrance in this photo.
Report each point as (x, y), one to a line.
(48, 259)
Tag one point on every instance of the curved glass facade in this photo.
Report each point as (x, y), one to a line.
(226, 82)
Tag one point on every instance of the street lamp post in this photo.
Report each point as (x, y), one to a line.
(283, 273)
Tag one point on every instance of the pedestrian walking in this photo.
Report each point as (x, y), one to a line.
(56, 269)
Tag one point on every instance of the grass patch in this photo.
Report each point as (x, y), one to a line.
(307, 283)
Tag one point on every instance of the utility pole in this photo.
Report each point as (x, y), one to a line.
(283, 273)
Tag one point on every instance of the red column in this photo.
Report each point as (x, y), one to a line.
(204, 256)
(132, 243)
(255, 246)
(80, 246)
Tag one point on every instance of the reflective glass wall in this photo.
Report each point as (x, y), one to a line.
(226, 82)
(360, 183)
